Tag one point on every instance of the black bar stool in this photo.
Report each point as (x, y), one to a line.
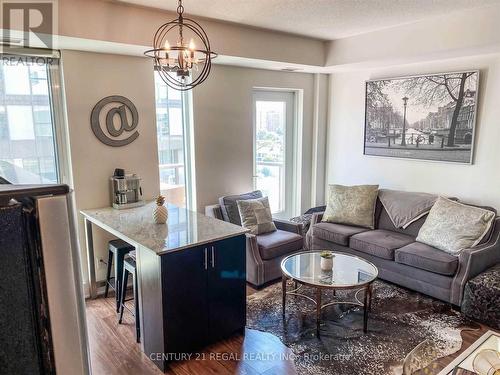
(117, 249)
(129, 267)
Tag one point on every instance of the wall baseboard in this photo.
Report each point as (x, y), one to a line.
(100, 289)
(101, 286)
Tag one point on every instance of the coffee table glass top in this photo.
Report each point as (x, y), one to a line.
(347, 271)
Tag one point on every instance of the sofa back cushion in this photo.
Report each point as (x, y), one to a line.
(229, 207)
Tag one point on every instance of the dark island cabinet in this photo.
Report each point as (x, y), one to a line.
(203, 295)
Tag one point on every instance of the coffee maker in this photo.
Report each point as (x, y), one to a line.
(126, 191)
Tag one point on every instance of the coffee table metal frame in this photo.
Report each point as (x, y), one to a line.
(298, 284)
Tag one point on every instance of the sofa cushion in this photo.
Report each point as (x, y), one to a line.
(452, 226)
(229, 207)
(352, 205)
(425, 257)
(277, 243)
(487, 236)
(380, 243)
(336, 233)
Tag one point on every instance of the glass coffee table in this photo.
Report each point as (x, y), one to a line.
(348, 272)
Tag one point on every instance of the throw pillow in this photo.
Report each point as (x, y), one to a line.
(256, 215)
(452, 226)
(229, 207)
(353, 205)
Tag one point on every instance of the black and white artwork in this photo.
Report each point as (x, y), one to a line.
(429, 117)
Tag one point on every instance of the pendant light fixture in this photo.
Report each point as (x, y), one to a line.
(176, 57)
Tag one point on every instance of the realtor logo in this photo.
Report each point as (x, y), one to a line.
(28, 24)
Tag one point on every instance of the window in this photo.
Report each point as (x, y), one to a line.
(172, 119)
(43, 121)
(28, 147)
(4, 124)
(274, 145)
(20, 120)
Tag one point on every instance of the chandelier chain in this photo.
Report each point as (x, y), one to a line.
(180, 8)
(180, 11)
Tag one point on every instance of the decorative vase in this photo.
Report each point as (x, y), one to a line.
(160, 213)
(327, 262)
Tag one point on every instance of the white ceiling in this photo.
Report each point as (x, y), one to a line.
(324, 19)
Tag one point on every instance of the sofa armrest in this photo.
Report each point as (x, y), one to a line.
(474, 261)
(289, 226)
(214, 211)
(255, 265)
(316, 218)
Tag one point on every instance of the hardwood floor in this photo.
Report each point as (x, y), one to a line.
(113, 349)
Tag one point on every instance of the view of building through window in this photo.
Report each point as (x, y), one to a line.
(270, 151)
(171, 153)
(27, 141)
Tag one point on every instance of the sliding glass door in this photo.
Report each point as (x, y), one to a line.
(274, 119)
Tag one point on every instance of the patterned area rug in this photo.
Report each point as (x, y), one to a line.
(400, 319)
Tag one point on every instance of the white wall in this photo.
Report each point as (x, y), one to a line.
(89, 77)
(477, 183)
(224, 130)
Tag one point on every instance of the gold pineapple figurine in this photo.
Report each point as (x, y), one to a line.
(160, 213)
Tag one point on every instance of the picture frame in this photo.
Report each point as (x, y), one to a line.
(428, 117)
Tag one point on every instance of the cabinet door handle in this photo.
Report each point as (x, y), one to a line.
(213, 257)
(206, 259)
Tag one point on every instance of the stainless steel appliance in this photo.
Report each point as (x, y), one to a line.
(126, 190)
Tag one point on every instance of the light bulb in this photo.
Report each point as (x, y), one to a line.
(192, 46)
(167, 45)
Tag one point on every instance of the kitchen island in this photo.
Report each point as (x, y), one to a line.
(191, 276)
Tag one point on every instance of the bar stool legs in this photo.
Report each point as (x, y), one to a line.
(108, 273)
(124, 293)
(129, 268)
(117, 249)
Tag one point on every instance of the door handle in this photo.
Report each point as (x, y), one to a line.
(206, 258)
(213, 257)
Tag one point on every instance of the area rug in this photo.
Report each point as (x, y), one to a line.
(400, 319)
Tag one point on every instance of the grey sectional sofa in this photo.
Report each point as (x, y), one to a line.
(402, 260)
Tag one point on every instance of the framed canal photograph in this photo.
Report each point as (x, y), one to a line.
(431, 117)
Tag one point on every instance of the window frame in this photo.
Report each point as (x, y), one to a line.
(59, 122)
(292, 197)
(188, 143)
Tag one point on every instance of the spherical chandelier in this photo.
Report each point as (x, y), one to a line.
(181, 65)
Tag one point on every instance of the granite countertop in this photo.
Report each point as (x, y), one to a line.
(185, 228)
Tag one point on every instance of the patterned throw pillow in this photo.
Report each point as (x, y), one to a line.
(353, 205)
(452, 226)
(256, 215)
